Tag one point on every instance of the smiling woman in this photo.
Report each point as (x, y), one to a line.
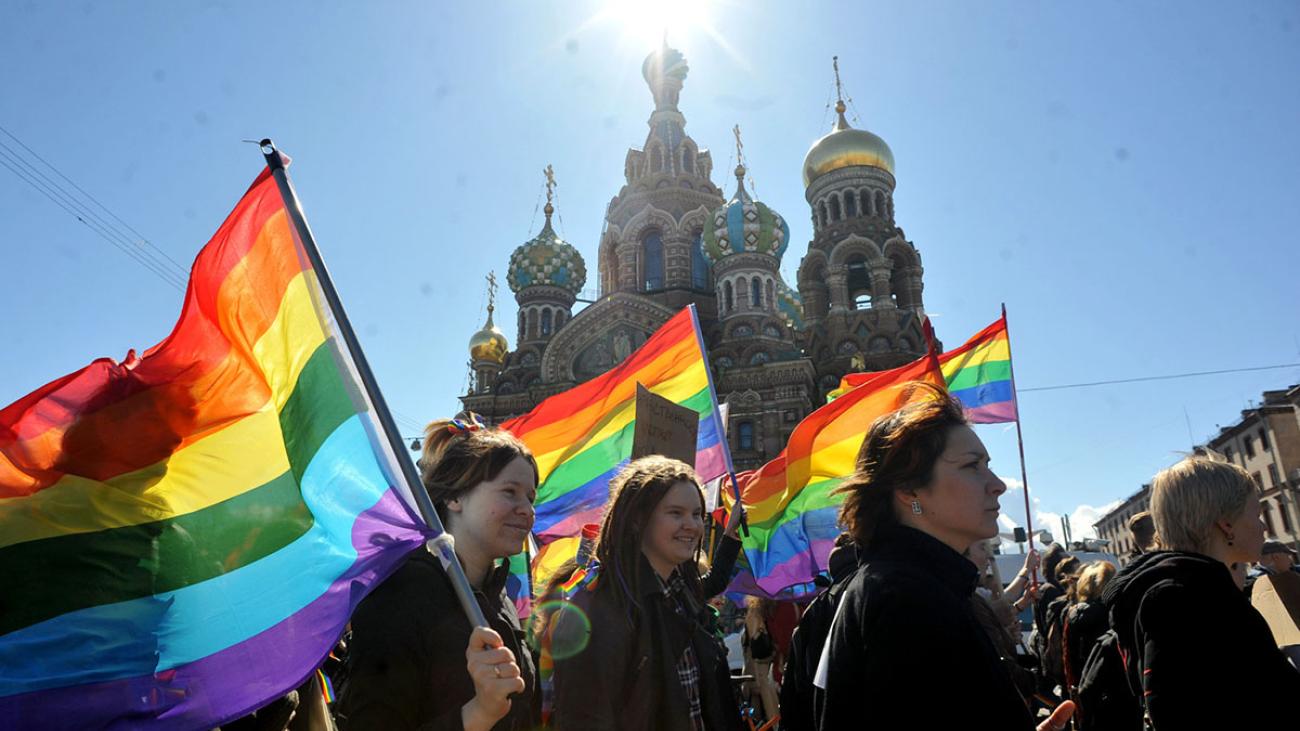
(409, 635)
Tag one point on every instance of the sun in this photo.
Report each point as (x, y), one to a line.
(647, 23)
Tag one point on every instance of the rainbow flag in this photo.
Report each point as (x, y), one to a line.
(793, 518)
(978, 374)
(582, 436)
(186, 533)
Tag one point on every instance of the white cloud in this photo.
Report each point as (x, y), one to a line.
(1013, 514)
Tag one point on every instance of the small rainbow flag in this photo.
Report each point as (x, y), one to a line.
(793, 517)
(978, 374)
(582, 436)
(187, 532)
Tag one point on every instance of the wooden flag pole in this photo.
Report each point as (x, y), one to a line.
(1020, 442)
(442, 546)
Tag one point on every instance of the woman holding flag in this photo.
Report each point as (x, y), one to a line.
(408, 666)
(631, 648)
(905, 639)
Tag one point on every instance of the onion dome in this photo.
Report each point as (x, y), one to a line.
(547, 260)
(846, 147)
(489, 344)
(743, 224)
(789, 305)
(663, 64)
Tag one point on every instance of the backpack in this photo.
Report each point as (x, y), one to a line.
(1053, 650)
(1104, 697)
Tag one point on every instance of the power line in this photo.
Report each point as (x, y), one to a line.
(1158, 378)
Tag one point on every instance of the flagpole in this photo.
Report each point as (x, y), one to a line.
(443, 545)
(717, 418)
(1020, 442)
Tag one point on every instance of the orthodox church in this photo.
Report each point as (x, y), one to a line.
(672, 237)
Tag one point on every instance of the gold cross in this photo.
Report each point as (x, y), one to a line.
(492, 288)
(550, 182)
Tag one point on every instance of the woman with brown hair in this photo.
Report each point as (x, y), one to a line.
(631, 647)
(408, 666)
(905, 649)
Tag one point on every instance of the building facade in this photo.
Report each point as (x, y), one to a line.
(672, 237)
(1113, 526)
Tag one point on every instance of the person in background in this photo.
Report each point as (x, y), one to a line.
(408, 666)
(905, 647)
(1143, 530)
(1276, 557)
(631, 649)
(1281, 609)
(760, 652)
(1049, 590)
(1085, 620)
(996, 610)
(1198, 655)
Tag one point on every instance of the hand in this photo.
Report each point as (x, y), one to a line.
(733, 521)
(1059, 718)
(1031, 563)
(492, 667)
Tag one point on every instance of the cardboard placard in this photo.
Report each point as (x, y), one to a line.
(1277, 598)
(663, 427)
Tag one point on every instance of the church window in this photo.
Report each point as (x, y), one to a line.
(529, 358)
(546, 322)
(850, 205)
(656, 159)
(728, 301)
(653, 248)
(755, 292)
(532, 323)
(725, 361)
(742, 331)
(759, 358)
(835, 208)
(699, 264)
(522, 333)
(771, 331)
(745, 433)
(859, 283)
(848, 347)
(688, 164)
(865, 196)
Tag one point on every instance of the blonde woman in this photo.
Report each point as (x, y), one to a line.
(1086, 619)
(1199, 656)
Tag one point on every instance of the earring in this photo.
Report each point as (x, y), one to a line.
(1229, 540)
(916, 507)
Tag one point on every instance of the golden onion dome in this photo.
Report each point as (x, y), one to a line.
(489, 344)
(846, 147)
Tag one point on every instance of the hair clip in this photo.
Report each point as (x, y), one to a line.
(471, 423)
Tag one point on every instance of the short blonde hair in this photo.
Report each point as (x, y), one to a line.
(1093, 579)
(1188, 498)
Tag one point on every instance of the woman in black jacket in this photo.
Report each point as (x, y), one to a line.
(631, 648)
(905, 649)
(406, 662)
(1199, 655)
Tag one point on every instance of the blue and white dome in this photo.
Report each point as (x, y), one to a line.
(547, 260)
(745, 225)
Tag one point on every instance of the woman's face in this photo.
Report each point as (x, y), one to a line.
(674, 530)
(1247, 532)
(493, 518)
(960, 505)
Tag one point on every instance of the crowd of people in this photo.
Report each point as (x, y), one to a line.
(912, 628)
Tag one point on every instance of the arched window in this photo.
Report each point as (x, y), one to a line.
(835, 208)
(532, 323)
(821, 212)
(728, 301)
(850, 205)
(859, 283)
(699, 264)
(546, 322)
(688, 164)
(755, 292)
(656, 159)
(653, 250)
(865, 196)
(522, 333)
(745, 435)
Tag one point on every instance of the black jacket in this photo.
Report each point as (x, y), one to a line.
(406, 661)
(800, 699)
(1196, 649)
(625, 676)
(1084, 623)
(905, 650)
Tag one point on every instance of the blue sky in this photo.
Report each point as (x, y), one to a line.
(1123, 175)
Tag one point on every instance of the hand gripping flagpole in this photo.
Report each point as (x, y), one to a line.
(443, 545)
(1020, 442)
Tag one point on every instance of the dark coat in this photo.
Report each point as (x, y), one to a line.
(800, 699)
(1196, 649)
(906, 651)
(406, 661)
(625, 678)
(1084, 623)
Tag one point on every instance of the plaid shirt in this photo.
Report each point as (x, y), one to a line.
(688, 667)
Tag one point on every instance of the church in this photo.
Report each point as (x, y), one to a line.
(672, 237)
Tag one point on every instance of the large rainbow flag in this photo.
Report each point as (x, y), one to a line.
(582, 436)
(184, 535)
(793, 518)
(978, 374)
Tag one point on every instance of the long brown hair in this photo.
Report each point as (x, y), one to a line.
(461, 453)
(634, 493)
(899, 453)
